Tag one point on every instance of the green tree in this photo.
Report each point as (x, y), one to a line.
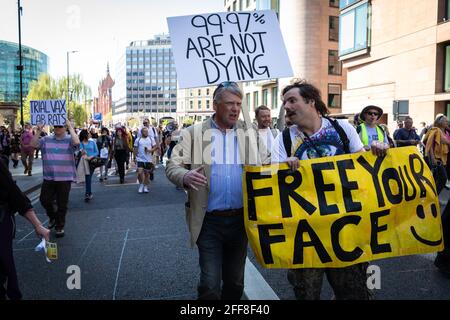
(46, 88)
(78, 114)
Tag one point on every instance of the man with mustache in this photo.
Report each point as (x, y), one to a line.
(314, 135)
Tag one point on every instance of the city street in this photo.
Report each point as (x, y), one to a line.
(135, 246)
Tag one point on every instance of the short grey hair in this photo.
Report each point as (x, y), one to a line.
(229, 86)
(440, 120)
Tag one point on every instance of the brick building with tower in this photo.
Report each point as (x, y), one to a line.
(103, 104)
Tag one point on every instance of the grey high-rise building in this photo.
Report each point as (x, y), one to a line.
(146, 81)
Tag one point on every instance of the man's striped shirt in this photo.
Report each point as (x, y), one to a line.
(58, 158)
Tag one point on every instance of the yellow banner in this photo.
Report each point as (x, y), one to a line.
(342, 210)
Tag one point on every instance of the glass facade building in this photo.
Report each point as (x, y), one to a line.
(34, 64)
(146, 80)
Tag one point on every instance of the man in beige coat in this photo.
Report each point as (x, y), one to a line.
(208, 162)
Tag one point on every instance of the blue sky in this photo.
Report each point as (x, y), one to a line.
(98, 29)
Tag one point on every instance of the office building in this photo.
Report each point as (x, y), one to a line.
(146, 82)
(34, 64)
(398, 57)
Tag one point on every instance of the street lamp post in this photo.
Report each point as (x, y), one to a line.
(68, 79)
(20, 66)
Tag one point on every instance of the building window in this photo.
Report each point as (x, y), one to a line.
(334, 95)
(400, 109)
(199, 104)
(191, 104)
(247, 99)
(353, 33)
(274, 97)
(199, 92)
(265, 97)
(334, 28)
(447, 11)
(207, 104)
(334, 65)
(234, 5)
(447, 69)
(334, 3)
(255, 99)
(207, 91)
(346, 3)
(443, 10)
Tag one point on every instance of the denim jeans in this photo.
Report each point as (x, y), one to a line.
(88, 181)
(222, 246)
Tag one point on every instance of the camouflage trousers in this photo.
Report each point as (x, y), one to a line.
(349, 283)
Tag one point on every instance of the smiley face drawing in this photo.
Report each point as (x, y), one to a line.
(421, 214)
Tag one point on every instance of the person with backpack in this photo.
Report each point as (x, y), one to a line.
(314, 135)
(143, 149)
(370, 132)
(104, 146)
(436, 150)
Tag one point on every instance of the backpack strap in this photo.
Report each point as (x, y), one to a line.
(137, 142)
(342, 134)
(287, 141)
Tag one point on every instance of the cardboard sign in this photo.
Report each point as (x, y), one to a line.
(48, 112)
(231, 46)
(342, 210)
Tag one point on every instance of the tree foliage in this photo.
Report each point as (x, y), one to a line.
(47, 88)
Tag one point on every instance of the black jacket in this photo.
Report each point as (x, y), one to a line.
(10, 194)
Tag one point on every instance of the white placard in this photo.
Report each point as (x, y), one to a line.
(48, 112)
(230, 46)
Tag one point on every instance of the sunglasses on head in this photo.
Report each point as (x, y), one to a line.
(58, 126)
(370, 113)
(225, 84)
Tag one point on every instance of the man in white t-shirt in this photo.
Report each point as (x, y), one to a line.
(143, 148)
(312, 135)
(266, 134)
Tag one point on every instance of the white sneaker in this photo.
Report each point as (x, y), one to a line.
(145, 189)
(141, 188)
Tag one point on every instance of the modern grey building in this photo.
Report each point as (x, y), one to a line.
(146, 81)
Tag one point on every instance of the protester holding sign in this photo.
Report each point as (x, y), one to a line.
(314, 135)
(58, 164)
(201, 163)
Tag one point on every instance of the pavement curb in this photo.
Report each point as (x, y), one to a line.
(32, 189)
(255, 286)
